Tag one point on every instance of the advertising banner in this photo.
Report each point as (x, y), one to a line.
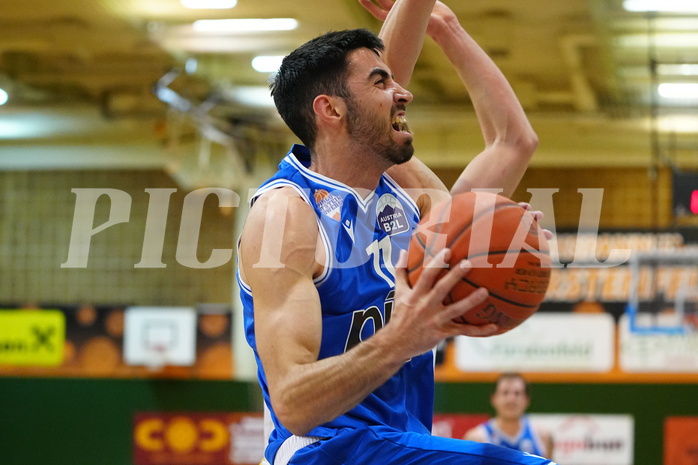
(238, 438)
(89, 341)
(667, 353)
(681, 441)
(578, 439)
(590, 439)
(456, 425)
(198, 438)
(31, 337)
(547, 342)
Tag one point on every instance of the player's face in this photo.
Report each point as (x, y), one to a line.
(376, 110)
(510, 399)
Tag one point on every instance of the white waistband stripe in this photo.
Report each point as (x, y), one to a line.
(291, 446)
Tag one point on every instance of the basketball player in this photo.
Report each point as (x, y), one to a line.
(510, 427)
(343, 344)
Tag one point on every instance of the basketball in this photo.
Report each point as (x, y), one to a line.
(506, 246)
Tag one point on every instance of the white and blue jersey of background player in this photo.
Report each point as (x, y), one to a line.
(526, 440)
(362, 237)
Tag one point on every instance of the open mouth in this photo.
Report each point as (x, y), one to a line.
(400, 124)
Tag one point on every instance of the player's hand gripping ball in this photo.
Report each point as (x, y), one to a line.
(505, 245)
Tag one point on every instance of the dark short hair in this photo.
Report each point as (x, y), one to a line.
(511, 375)
(316, 67)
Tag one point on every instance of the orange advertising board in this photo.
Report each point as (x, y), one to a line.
(681, 441)
(198, 438)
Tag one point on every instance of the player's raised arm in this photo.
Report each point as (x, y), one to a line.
(509, 138)
(403, 31)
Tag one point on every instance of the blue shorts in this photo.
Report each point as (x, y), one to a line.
(384, 446)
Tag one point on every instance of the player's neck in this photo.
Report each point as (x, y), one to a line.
(342, 162)
(509, 426)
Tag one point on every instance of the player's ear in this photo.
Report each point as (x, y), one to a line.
(329, 110)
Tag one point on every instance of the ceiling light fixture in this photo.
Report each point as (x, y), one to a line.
(267, 63)
(683, 69)
(209, 4)
(3, 97)
(678, 124)
(245, 25)
(252, 96)
(677, 6)
(678, 90)
(661, 40)
(191, 65)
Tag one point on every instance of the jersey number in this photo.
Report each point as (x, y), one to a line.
(382, 254)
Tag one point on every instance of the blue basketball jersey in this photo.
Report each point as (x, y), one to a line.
(526, 441)
(362, 236)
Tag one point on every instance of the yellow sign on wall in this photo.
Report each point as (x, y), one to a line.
(30, 337)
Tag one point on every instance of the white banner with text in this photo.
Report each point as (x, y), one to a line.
(546, 342)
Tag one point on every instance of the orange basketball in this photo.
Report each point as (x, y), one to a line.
(507, 248)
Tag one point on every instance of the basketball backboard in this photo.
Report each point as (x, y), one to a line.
(663, 296)
(158, 336)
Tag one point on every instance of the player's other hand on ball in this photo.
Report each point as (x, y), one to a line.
(422, 314)
(490, 329)
(538, 215)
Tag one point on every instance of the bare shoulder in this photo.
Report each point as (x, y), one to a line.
(281, 203)
(280, 230)
(476, 434)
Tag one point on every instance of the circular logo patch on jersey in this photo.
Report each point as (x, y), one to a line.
(329, 204)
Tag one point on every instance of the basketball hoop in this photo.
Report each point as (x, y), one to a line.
(157, 358)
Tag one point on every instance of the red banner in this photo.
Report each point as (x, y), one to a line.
(455, 425)
(681, 441)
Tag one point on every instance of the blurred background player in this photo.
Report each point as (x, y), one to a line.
(510, 427)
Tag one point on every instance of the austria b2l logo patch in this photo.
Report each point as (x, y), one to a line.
(390, 215)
